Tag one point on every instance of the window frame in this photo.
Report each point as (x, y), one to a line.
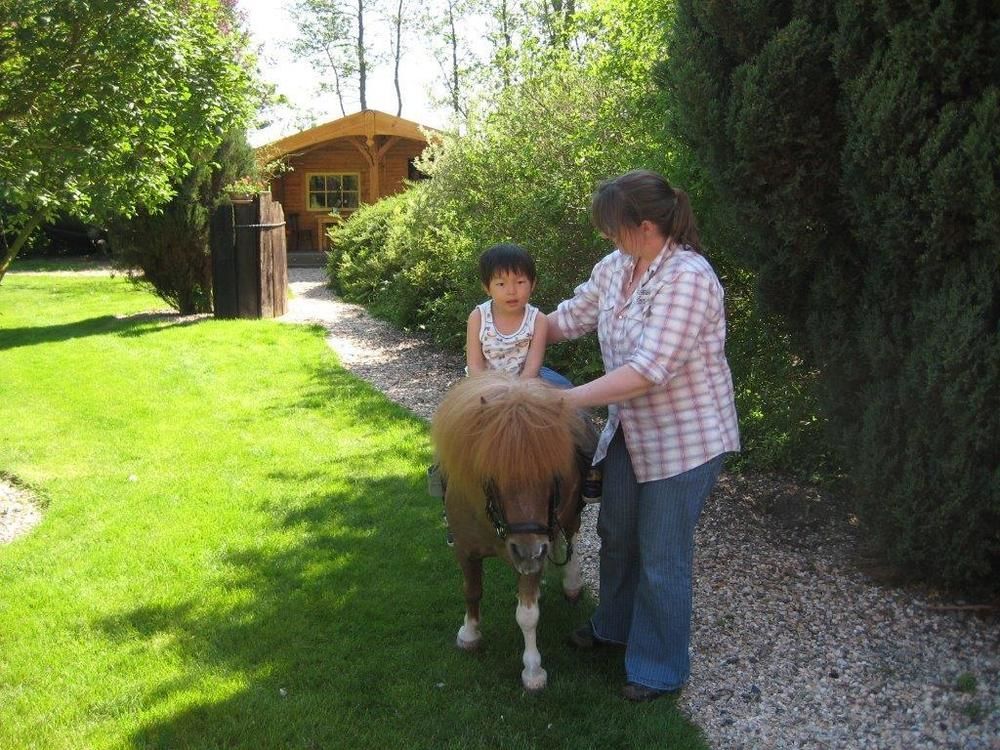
(341, 211)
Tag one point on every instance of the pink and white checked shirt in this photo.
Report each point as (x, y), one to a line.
(672, 330)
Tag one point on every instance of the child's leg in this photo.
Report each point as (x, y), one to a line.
(436, 487)
(554, 378)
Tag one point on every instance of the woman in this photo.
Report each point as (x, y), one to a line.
(657, 307)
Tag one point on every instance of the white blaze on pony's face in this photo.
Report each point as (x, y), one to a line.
(528, 552)
(526, 512)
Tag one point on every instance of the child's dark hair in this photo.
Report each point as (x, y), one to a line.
(505, 258)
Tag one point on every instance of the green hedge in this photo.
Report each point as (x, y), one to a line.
(859, 144)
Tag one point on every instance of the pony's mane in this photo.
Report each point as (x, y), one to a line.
(515, 431)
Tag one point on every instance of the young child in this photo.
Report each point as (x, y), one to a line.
(505, 332)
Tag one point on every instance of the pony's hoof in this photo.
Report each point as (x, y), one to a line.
(534, 681)
(573, 597)
(466, 645)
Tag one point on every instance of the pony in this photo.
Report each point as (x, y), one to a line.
(510, 454)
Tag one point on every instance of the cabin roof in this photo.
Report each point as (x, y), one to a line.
(368, 123)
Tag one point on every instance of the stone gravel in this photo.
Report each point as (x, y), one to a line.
(793, 645)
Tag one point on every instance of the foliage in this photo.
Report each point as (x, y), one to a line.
(525, 172)
(203, 580)
(331, 34)
(859, 146)
(170, 246)
(103, 106)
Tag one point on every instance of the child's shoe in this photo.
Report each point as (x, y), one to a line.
(591, 490)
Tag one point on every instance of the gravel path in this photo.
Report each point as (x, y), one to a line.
(792, 646)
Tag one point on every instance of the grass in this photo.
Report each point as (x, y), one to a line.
(67, 263)
(237, 552)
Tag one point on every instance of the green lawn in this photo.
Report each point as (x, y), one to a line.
(237, 552)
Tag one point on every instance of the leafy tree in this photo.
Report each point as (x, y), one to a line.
(859, 147)
(524, 171)
(331, 33)
(104, 104)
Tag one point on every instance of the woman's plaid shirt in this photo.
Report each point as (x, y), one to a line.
(672, 330)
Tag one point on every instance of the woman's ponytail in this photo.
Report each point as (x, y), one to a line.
(684, 229)
(642, 195)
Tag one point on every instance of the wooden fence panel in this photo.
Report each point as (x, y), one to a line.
(249, 259)
(223, 243)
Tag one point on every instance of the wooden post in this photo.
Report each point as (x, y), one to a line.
(273, 258)
(222, 241)
(249, 260)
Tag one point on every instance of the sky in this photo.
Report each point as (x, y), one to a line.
(270, 24)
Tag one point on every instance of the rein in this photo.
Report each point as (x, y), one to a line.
(503, 528)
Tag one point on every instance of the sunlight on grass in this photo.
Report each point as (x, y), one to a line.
(237, 551)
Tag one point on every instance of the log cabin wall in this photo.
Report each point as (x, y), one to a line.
(374, 148)
(348, 155)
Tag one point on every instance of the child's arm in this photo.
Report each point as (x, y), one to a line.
(536, 350)
(474, 358)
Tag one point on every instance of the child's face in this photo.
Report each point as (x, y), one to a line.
(510, 291)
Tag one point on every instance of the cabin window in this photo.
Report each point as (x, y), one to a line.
(333, 191)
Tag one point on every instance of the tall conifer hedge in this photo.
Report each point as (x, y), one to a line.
(859, 145)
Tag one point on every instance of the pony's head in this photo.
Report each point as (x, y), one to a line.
(510, 444)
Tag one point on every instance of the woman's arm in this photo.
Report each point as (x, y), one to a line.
(618, 385)
(536, 350)
(474, 358)
(553, 333)
(578, 315)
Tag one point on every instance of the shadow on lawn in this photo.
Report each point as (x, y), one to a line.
(305, 627)
(139, 324)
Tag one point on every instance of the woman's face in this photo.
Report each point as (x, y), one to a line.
(639, 240)
(628, 239)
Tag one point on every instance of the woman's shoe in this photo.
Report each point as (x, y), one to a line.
(584, 639)
(637, 693)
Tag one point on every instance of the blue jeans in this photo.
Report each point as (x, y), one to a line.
(647, 546)
(554, 378)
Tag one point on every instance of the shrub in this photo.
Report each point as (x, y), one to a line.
(525, 173)
(170, 246)
(859, 145)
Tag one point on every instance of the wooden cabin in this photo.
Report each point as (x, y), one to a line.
(337, 166)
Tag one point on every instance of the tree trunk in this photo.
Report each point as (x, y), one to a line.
(19, 241)
(508, 45)
(362, 71)
(454, 59)
(399, 52)
(336, 82)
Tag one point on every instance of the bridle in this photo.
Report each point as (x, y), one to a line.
(495, 512)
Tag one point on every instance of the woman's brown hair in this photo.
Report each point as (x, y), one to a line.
(642, 195)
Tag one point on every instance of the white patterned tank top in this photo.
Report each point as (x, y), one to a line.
(505, 352)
